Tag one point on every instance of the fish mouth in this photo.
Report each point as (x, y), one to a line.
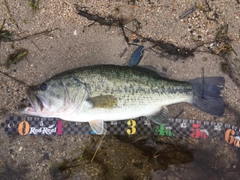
(35, 102)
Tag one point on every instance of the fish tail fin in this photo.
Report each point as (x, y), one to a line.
(206, 95)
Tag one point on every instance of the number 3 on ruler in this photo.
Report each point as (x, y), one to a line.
(132, 129)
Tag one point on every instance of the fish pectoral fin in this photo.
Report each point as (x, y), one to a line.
(103, 101)
(97, 126)
(160, 117)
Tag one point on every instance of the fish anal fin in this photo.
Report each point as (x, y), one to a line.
(160, 117)
(97, 126)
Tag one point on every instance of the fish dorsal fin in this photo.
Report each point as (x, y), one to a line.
(160, 117)
(97, 126)
(103, 101)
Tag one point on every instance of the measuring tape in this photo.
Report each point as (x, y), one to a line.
(17, 125)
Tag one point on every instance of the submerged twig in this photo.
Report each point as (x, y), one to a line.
(100, 143)
(3, 163)
(187, 13)
(123, 31)
(2, 24)
(124, 51)
(5, 35)
(35, 35)
(19, 81)
(107, 21)
(203, 83)
(16, 174)
(9, 12)
(179, 114)
(169, 48)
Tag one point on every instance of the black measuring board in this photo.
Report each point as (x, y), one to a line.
(17, 125)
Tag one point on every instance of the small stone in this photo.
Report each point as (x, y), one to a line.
(20, 148)
(164, 69)
(75, 32)
(2, 124)
(46, 156)
(10, 151)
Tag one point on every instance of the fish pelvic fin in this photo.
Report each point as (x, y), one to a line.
(160, 117)
(206, 95)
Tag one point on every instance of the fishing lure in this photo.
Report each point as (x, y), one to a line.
(136, 56)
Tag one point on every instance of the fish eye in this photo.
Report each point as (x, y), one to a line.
(43, 86)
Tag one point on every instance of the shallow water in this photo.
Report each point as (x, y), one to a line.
(122, 157)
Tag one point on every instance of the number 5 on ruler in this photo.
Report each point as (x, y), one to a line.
(132, 129)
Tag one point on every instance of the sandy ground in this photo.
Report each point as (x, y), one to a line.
(69, 47)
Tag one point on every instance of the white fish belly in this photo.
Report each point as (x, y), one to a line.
(132, 110)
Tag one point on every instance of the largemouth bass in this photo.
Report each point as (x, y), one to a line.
(108, 93)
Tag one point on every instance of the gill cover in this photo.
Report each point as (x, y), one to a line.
(59, 96)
